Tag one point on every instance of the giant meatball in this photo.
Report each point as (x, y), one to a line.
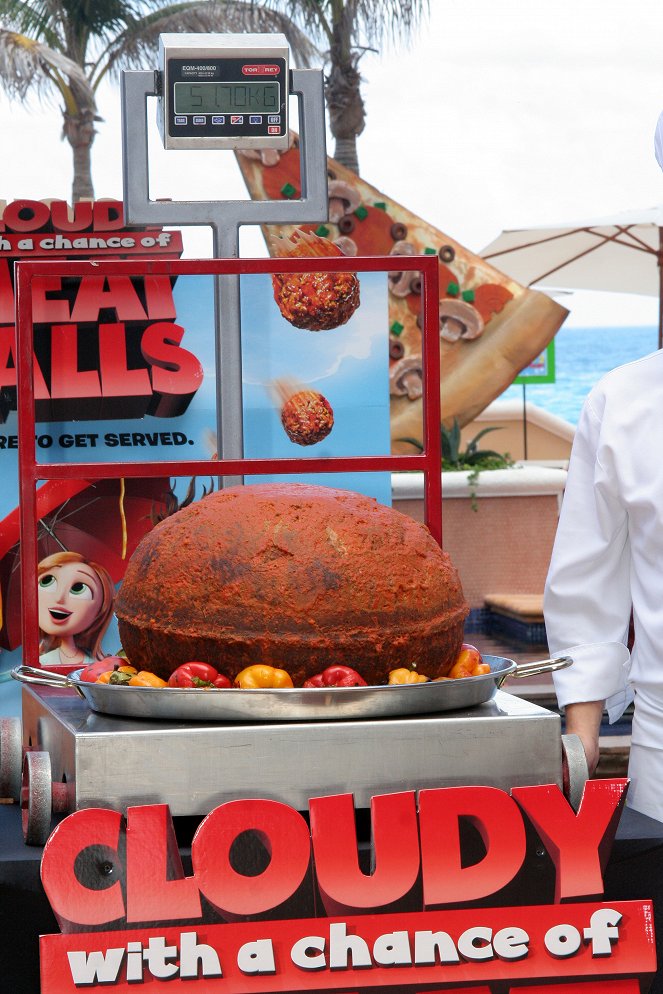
(296, 576)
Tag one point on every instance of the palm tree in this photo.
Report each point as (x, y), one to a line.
(344, 30)
(69, 46)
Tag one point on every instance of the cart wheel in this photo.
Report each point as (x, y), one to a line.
(36, 798)
(10, 758)
(575, 769)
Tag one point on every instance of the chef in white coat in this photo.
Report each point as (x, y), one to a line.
(607, 562)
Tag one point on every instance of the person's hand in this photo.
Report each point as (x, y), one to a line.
(590, 744)
(584, 720)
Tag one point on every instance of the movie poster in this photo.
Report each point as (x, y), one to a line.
(125, 370)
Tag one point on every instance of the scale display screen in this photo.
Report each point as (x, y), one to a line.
(224, 91)
(227, 98)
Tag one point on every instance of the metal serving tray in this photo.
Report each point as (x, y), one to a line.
(296, 704)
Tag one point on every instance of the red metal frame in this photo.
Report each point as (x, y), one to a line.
(31, 472)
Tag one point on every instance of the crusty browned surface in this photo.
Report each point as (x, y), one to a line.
(296, 576)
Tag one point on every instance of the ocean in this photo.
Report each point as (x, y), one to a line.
(582, 356)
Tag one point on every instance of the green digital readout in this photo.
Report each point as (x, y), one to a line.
(227, 98)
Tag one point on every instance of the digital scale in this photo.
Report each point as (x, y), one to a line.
(223, 91)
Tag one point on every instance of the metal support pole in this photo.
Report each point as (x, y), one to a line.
(227, 310)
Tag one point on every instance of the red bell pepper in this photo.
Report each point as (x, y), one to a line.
(198, 675)
(94, 670)
(336, 676)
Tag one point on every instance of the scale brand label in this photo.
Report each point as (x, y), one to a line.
(260, 70)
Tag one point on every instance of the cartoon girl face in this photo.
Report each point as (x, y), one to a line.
(70, 598)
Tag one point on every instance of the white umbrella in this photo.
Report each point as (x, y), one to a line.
(622, 253)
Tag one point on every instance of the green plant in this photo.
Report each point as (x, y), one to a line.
(472, 458)
(471, 455)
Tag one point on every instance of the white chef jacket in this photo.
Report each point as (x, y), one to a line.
(608, 558)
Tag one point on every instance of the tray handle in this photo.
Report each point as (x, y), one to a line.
(44, 678)
(536, 668)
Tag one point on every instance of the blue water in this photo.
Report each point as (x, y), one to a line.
(582, 356)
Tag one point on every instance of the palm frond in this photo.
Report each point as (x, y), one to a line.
(369, 22)
(27, 64)
(42, 20)
(136, 46)
(315, 17)
(380, 21)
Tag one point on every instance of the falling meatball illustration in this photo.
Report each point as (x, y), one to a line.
(313, 301)
(306, 415)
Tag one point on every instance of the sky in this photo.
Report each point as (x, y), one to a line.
(497, 115)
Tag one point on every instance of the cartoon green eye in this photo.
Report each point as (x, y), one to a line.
(81, 590)
(46, 581)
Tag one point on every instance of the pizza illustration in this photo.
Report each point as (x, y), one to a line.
(490, 327)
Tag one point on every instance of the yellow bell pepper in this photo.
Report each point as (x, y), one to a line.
(261, 675)
(146, 679)
(404, 675)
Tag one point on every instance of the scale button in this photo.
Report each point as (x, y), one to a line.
(218, 119)
(236, 119)
(179, 119)
(274, 119)
(274, 131)
(199, 119)
(255, 119)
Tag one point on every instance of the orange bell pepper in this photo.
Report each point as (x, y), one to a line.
(404, 675)
(468, 662)
(146, 679)
(261, 675)
(460, 670)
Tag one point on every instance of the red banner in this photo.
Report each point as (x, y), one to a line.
(441, 948)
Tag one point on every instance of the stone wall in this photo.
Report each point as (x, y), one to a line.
(499, 531)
